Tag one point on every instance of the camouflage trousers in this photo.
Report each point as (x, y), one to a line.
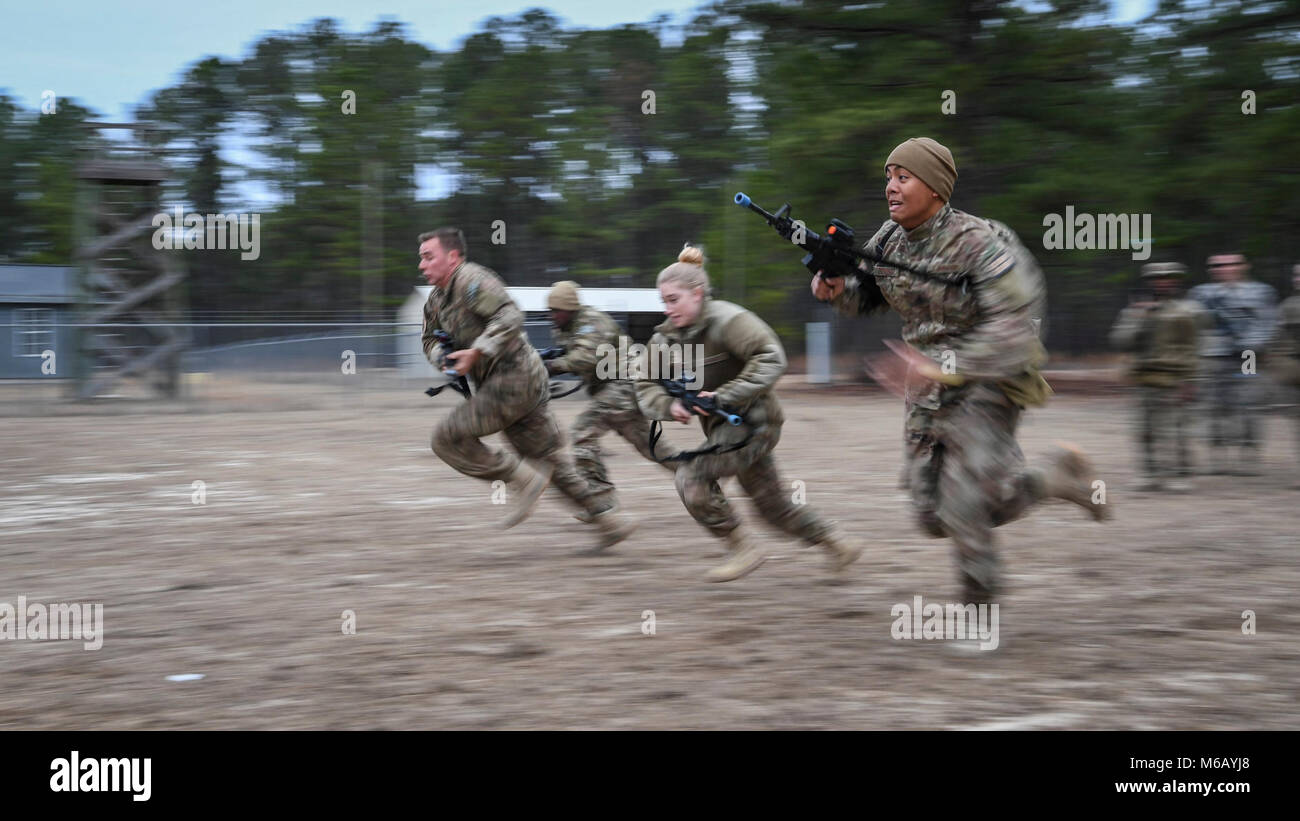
(755, 468)
(1161, 426)
(612, 408)
(967, 476)
(1231, 403)
(498, 406)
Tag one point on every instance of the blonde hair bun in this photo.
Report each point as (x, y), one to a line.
(691, 254)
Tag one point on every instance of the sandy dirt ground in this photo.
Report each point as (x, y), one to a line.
(337, 504)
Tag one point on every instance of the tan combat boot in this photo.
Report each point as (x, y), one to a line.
(1070, 477)
(614, 527)
(587, 518)
(523, 491)
(745, 557)
(841, 555)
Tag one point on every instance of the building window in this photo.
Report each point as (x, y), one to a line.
(33, 331)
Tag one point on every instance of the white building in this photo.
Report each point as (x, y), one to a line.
(638, 310)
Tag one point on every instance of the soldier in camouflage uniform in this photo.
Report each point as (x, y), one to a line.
(1241, 317)
(741, 361)
(1161, 333)
(510, 393)
(590, 341)
(1287, 346)
(971, 321)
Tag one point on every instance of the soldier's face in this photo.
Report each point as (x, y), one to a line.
(1227, 267)
(1164, 286)
(435, 263)
(560, 318)
(911, 202)
(681, 305)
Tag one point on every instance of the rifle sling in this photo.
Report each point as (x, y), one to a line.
(656, 433)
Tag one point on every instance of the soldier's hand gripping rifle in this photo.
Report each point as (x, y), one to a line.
(692, 401)
(557, 388)
(457, 382)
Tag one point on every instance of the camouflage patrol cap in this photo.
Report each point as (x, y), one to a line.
(563, 297)
(1156, 270)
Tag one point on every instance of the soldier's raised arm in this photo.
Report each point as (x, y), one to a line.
(860, 294)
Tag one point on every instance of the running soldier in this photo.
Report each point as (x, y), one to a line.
(589, 338)
(971, 322)
(470, 303)
(1160, 330)
(742, 359)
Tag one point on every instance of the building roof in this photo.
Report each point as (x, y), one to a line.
(610, 300)
(38, 283)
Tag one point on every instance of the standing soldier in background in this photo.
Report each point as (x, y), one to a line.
(581, 331)
(1287, 363)
(741, 360)
(1160, 330)
(971, 328)
(1240, 322)
(511, 391)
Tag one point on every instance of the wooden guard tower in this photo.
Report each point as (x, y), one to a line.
(131, 301)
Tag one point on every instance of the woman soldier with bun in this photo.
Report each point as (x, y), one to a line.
(738, 366)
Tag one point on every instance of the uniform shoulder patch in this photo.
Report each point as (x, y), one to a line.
(471, 293)
(586, 329)
(1002, 262)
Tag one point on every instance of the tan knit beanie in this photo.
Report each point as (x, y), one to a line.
(563, 297)
(929, 161)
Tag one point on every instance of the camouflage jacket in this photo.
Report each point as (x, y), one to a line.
(1288, 326)
(478, 313)
(977, 309)
(1287, 343)
(582, 340)
(1242, 315)
(741, 360)
(1162, 340)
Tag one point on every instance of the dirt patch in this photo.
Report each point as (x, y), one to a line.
(311, 512)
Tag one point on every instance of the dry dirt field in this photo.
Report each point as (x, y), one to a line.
(336, 503)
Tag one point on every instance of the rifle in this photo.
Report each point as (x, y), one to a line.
(557, 387)
(833, 254)
(457, 383)
(691, 400)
